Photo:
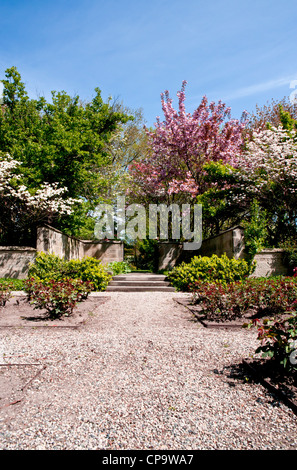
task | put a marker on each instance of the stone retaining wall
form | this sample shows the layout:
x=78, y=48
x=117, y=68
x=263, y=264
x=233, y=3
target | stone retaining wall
x=270, y=263
x=230, y=242
x=15, y=260
x=51, y=240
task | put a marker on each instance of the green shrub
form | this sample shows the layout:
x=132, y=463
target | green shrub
x=213, y=268
x=147, y=255
x=119, y=267
x=16, y=284
x=49, y=266
x=290, y=255
x=89, y=269
x=46, y=266
x=255, y=231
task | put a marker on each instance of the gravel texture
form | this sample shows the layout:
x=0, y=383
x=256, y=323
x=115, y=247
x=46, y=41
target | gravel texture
x=140, y=374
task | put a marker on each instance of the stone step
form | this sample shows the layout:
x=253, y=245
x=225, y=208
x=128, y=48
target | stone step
x=141, y=282
x=142, y=277
x=138, y=283
x=139, y=289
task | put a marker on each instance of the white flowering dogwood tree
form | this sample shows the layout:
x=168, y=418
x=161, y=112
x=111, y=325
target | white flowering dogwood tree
x=267, y=173
x=22, y=208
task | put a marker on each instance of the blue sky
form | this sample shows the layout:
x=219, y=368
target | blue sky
x=243, y=53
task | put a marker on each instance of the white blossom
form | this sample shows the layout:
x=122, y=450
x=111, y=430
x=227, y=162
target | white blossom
x=46, y=201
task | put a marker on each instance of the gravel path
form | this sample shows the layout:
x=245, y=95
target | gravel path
x=141, y=374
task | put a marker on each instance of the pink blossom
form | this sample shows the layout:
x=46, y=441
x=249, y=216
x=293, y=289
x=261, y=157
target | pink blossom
x=183, y=143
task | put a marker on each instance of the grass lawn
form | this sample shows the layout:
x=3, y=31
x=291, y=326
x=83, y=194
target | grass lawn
x=17, y=283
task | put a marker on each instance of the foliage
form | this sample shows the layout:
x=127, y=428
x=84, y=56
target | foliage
x=255, y=231
x=6, y=286
x=23, y=209
x=16, y=284
x=58, y=298
x=264, y=173
x=226, y=301
x=147, y=255
x=220, y=301
x=50, y=266
x=218, y=207
x=60, y=142
x=274, y=113
x=210, y=268
x=267, y=173
x=119, y=267
x=290, y=255
x=47, y=266
x=278, y=338
x=127, y=144
x=89, y=269
x=181, y=145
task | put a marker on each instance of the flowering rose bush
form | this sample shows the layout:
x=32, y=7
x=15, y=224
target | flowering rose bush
x=220, y=301
x=58, y=298
x=278, y=340
x=5, y=292
x=262, y=297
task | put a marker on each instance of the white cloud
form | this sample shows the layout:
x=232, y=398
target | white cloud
x=260, y=87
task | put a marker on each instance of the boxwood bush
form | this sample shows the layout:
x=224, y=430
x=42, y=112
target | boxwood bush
x=50, y=266
x=119, y=267
x=213, y=268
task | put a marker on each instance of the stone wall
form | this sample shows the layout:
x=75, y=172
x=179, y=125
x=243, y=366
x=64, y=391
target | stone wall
x=51, y=240
x=270, y=263
x=230, y=242
x=15, y=260
x=170, y=254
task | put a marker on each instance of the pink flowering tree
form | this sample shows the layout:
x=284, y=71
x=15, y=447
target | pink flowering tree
x=21, y=209
x=181, y=145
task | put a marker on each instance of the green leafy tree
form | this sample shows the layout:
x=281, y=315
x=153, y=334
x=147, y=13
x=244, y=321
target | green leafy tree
x=60, y=142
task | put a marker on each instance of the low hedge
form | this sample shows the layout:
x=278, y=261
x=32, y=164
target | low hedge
x=88, y=269
x=213, y=268
x=278, y=341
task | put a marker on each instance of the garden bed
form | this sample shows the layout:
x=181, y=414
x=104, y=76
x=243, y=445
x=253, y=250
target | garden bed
x=19, y=313
x=275, y=379
x=196, y=311
x=266, y=371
